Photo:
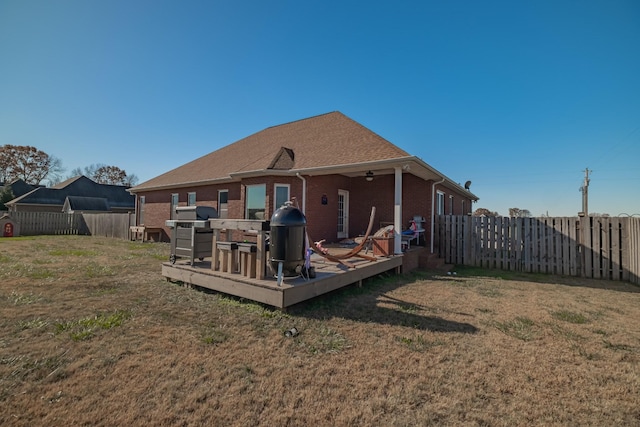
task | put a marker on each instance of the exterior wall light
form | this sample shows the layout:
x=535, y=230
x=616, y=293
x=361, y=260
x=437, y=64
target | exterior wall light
x=369, y=176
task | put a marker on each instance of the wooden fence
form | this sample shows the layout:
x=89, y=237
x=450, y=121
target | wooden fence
x=594, y=247
x=109, y=224
x=103, y=224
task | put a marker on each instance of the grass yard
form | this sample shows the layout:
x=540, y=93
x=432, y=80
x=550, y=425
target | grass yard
x=92, y=334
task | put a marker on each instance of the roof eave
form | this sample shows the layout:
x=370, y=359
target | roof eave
x=36, y=204
x=447, y=180
x=140, y=189
x=412, y=164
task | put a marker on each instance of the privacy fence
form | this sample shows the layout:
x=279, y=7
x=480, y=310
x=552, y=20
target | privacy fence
x=103, y=224
x=594, y=247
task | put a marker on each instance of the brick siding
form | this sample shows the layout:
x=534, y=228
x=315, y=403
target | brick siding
x=321, y=218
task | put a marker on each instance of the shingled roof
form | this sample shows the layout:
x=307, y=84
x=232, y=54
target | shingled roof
x=328, y=140
x=19, y=187
x=81, y=186
x=80, y=203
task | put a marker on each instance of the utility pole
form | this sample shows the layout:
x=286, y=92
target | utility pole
x=585, y=193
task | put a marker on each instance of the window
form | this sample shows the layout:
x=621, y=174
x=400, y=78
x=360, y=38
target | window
x=450, y=205
x=174, y=204
x=343, y=214
x=464, y=212
x=223, y=204
x=141, y=202
x=440, y=203
x=191, y=199
x=255, y=199
x=281, y=195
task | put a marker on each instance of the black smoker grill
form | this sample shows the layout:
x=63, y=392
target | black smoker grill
x=287, y=241
x=191, y=236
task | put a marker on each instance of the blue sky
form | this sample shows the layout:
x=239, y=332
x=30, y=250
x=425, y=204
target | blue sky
x=517, y=96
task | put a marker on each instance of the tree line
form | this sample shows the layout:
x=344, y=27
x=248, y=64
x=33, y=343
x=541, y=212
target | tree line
x=513, y=212
x=36, y=167
x=525, y=213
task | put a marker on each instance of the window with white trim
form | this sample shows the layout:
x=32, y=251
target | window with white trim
x=141, y=203
x=451, y=205
x=255, y=201
x=191, y=199
x=223, y=204
x=439, y=203
x=175, y=197
x=281, y=195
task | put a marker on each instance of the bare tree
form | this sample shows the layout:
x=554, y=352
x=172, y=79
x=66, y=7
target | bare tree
x=88, y=171
x=484, y=212
x=55, y=172
x=28, y=163
x=519, y=213
x=75, y=172
x=131, y=180
x=104, y=174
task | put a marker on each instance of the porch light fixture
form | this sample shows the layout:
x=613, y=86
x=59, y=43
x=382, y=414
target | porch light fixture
x=369, y=176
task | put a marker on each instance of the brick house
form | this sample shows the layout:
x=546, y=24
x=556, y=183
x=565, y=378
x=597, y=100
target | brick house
x=335, y=168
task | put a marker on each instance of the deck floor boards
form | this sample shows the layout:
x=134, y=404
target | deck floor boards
x=329, y=276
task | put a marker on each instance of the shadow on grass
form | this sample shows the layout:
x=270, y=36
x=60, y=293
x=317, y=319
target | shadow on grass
x=551, y=279
x=370, y=304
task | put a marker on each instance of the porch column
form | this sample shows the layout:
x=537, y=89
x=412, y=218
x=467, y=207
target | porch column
x=397, y=212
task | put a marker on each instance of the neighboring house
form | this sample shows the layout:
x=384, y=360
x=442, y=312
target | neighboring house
x=17, y=188
x=76, y=194
x=335, y=168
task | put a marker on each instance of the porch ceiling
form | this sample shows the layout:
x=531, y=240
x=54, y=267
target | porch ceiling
x=409, y=165
x=413, y=165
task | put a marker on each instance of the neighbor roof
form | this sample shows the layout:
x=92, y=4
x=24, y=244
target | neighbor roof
x=327, y=140
x=19, y=187
x=82, y=186
x=79, y=203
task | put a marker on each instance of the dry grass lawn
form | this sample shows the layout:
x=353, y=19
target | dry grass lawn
x=92, y=334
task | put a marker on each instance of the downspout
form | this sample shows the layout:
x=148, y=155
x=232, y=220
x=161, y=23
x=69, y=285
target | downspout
x=397, y=212
x=304, y=192
x=307, y=251
x=433, y=207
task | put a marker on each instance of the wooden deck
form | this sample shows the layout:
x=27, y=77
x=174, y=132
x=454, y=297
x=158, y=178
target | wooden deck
x=329, y=276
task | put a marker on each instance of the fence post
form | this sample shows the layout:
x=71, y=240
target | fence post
x=580, y=260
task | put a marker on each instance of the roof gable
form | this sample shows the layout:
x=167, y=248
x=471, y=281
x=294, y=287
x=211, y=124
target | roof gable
x=76, y=203
x=70, y=182
x=284, y=160
x=20, y=187
x=331, y=139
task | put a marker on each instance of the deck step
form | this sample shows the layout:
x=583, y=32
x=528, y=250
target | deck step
x=430, y=261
